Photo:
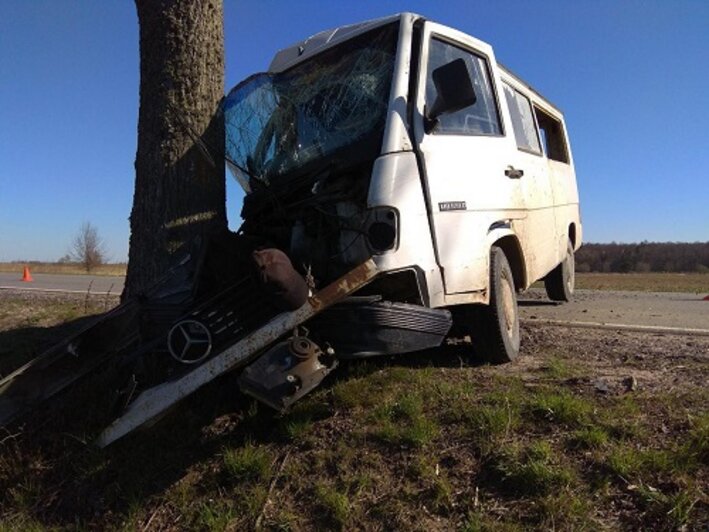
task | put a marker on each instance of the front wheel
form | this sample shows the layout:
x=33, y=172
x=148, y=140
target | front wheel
x=496, y=334
x=559, y=282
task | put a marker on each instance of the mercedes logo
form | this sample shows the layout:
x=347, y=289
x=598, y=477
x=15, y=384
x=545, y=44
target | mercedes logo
x=189, y=341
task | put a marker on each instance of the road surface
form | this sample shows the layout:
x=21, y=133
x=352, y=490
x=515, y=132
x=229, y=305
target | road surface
x=646, y=309
x=98, y=284
x=653, y=309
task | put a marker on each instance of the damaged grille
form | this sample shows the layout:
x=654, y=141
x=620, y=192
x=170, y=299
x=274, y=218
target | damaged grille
x=233, y=313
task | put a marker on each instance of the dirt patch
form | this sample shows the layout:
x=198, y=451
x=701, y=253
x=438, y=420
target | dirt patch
x=657, y=362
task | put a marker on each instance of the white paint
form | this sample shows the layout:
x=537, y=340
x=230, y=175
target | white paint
x=619, y=327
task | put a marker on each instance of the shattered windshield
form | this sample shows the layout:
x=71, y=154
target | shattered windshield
x=276, y=123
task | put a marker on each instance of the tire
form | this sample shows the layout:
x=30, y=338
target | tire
x=559, y=282
x=493, y=328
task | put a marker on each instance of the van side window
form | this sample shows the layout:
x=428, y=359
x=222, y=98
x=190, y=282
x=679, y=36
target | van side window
x=552, y=136
x=522, y=120
x=482, y=117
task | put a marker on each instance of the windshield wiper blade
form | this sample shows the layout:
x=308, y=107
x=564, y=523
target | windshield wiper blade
x=244, y=170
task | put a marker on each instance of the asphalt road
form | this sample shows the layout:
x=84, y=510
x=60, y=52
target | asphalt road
x=645, y=309
x=97, y=284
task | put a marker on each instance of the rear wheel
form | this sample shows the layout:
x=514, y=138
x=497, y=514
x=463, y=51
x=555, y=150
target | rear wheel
x=559, y=282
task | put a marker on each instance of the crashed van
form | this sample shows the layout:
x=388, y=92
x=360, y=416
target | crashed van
x=401, y=188
x=405, y=142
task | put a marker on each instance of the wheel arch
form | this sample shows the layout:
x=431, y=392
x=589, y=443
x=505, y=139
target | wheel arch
x=572, y=234
x=508, y=242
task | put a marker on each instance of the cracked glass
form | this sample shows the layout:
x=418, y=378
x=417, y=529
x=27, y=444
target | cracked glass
x=332, y=104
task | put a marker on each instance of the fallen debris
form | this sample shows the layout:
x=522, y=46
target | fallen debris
x=630, y=383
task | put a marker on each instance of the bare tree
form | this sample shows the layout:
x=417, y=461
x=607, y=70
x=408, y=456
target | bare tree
x=179, y=165
x=88, y=248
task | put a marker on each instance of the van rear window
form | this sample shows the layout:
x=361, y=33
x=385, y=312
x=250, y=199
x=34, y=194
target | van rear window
x=553, y=139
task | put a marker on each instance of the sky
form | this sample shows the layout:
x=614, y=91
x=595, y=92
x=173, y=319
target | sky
x=632, y=78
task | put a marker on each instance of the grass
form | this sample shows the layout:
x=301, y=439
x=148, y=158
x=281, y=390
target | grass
x=530, y=470
x=215, y=515
x=427, y=441
x=697, y=283
x=543, y=454
x=248, y=462
x=593, y=437
x=335, y=504
x=403, y=423
x=560, y=407
x=67, y=268
x=558, y=367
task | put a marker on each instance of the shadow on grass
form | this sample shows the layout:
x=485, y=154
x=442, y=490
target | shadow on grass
x=19, y=346
x=446, y=356
x=51, y=472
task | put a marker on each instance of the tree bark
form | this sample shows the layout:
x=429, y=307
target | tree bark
x=179, y=189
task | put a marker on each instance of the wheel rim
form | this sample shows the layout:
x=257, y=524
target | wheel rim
x=508, y=308
x=570, y=272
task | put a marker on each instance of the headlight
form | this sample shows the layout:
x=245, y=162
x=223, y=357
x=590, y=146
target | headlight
x=383, y=230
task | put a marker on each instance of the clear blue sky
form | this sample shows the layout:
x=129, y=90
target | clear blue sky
x=631, y=76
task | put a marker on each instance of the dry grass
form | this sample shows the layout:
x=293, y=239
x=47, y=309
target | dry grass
x=61, y=268
x=645, y=282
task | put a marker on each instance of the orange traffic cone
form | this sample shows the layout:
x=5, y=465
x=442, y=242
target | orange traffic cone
x=26, y=276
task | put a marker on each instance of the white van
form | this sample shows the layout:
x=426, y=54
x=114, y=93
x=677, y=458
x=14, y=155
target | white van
x=414, y=183
x=405, y=141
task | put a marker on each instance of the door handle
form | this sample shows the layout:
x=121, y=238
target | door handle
x=512, y=173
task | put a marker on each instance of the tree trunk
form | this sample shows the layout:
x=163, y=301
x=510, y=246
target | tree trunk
x=179, y=189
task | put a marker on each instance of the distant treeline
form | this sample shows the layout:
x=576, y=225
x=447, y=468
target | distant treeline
x=644, y=257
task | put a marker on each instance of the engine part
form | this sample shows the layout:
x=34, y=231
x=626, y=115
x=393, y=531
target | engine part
x=287, y=372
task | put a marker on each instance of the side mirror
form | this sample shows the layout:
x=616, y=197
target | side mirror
x=454, y=91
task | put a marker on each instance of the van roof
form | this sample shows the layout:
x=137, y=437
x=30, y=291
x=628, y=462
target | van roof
x=289, y=56
x=293, y=54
